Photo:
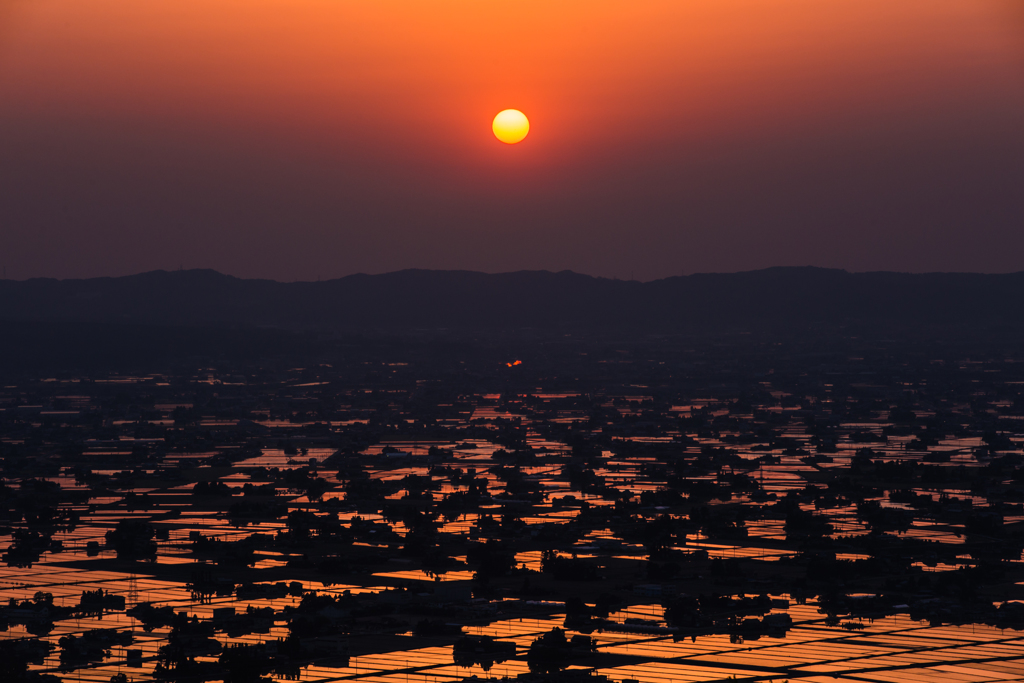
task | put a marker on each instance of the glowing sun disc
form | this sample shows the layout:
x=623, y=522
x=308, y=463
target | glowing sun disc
x=510, y=126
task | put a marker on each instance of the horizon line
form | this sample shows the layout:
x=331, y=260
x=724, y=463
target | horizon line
x=513, y=272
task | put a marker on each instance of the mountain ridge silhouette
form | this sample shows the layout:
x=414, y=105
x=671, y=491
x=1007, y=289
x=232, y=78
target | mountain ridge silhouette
x=436, y=299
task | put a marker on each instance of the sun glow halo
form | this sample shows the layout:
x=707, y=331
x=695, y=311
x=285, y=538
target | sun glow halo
x=510, y=126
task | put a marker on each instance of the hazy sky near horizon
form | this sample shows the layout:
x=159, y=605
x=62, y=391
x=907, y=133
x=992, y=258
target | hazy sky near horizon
x=296, y=139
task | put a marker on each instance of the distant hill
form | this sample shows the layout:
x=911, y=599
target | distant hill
x=411, y=300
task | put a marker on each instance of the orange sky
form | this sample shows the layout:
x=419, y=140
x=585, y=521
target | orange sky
x=397, y=96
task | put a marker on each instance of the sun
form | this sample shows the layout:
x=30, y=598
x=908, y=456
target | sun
x=510, y=126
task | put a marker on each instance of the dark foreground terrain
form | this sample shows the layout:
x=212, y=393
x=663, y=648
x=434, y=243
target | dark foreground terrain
x=240, y=505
